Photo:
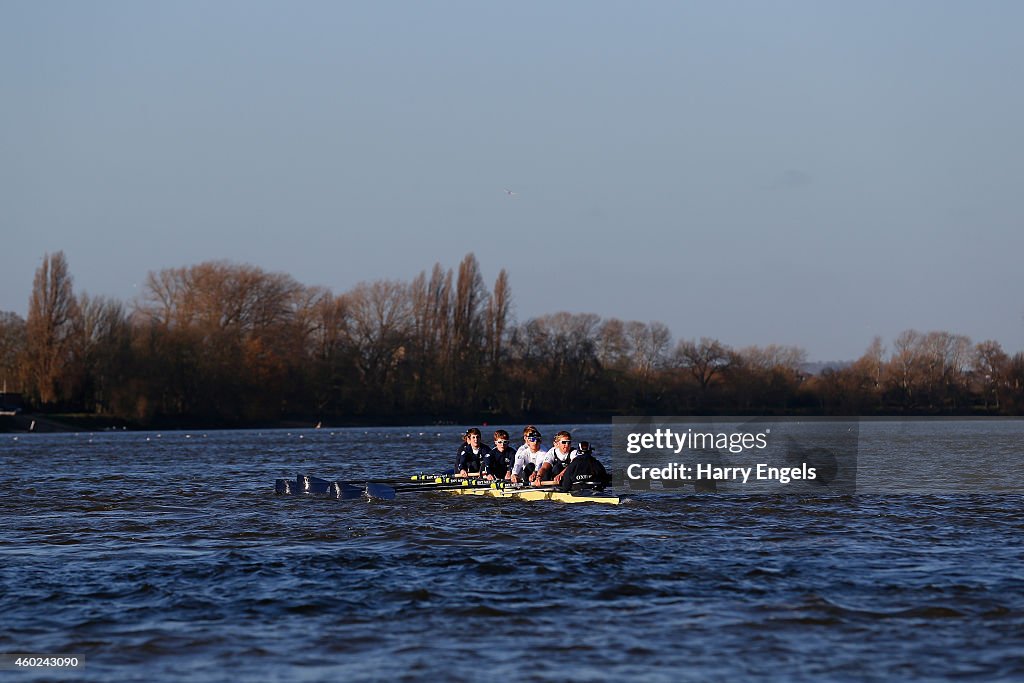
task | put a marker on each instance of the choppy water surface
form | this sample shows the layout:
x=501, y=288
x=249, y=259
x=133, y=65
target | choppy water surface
x=168, y=556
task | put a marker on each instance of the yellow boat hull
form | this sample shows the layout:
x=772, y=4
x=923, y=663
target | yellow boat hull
x=527, y=494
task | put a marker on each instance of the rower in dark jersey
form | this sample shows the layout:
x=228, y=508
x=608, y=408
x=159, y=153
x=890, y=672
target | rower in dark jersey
x=471, y=455
x=497, y=463
x=584, y=471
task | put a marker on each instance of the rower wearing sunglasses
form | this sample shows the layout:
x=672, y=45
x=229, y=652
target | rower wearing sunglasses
x=556, y=460
x=498, y=460
x=529, y=457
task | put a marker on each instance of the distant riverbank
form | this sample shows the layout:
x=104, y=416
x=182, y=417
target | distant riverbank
x=56, y=423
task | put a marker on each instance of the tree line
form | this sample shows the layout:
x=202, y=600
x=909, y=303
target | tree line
x=230, y=344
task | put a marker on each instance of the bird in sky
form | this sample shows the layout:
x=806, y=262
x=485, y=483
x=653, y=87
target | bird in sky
x=510, y=193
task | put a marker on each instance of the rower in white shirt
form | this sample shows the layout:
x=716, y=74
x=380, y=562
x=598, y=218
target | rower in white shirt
x=556, y=459
x=529, y=457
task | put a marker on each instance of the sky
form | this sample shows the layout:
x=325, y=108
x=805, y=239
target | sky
x=810, y=173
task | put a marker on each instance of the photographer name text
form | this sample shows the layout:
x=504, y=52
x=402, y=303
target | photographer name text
x=708, y=472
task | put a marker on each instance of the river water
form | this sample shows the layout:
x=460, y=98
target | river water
x=168, y=556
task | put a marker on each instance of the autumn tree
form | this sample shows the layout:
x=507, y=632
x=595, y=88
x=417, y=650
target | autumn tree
x=431, y=302
x=12, y=346
x=497, y=318
x=766, y=378
x=496, y=322
x=324, y=318
x=991, y=365
x=106, y=361
x=556, y=361
x=233, y=333
x=378, y=331
x=929, y=371
x=1015, y=383
x=704, y=360
x=52, y=330
x=613, y=348
x=468, y=331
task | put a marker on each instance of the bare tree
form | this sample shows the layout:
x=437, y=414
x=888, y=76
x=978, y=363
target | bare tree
x=498, y=308
x=990, y=369
x=905, y=367
x=379, y=331
x=649, y=344
x=106, y=350
x=612, y=345
x=467, y=313
x=12, y=346
x=704, y=360
x=946, y=358
x=52, y=330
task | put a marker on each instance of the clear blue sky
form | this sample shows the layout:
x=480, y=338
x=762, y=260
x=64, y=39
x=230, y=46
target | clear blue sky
x=811, y=173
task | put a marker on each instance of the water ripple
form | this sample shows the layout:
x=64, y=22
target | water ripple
x=169, y=556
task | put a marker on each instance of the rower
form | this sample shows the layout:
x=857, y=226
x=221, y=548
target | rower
x=497, y=463
x=557, y=459
x=471, y=455
x=528, y=431
x=529, y=456
x=584, y=471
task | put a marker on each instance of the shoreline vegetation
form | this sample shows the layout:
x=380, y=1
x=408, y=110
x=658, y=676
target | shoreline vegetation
x=39, y=423
x=223, y=345
x=47, y=423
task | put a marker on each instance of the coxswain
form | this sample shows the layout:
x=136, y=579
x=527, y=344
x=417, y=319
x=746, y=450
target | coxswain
x=497, y=463
x=471, y=455
x=529, y=457
x=584, y=470
x=556, y=460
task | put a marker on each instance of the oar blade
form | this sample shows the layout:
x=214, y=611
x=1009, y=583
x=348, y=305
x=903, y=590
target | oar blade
x=351, y=491
x=311, y=485
x=379, y=492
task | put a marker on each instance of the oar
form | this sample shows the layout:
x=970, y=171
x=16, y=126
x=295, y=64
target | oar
x=384, y=492
x=414, y=479
x=315, y=486
x=302, y=484
x=587, y=485
x=376, y=491
x=446, y=483
x=306, y=484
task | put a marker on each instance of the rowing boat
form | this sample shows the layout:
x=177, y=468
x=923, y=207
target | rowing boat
x=314, y=486
x=540, y=494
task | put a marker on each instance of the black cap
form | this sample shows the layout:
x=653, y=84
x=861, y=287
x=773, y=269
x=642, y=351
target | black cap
x=584, y=447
